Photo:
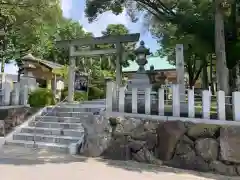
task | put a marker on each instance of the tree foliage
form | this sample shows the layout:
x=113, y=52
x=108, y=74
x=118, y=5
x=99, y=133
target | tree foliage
x=66, y=30
x=24, y=22
x=115, y=29
x=191, y=22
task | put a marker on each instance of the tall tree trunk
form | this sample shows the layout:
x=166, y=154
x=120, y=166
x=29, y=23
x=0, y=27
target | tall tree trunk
x=237, y=77
x=221, y=66
x=3, y=55
x=2, y=65
x=211, y=75
x=205, y=77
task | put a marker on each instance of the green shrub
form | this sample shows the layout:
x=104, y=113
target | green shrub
x=78, y=96
x=64, y=94
x=41, y=97
x=95, y=93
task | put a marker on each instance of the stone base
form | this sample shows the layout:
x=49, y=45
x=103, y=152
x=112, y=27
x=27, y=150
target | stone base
x=139, y=81
x=202, y=147
x=140, y=87
x=14, y=117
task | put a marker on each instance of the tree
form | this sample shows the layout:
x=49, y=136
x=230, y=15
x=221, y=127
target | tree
x=195, y=58
x=172, y=11
x=66, y=30
x=115, y=29
x=191, y=17
x=23, y=23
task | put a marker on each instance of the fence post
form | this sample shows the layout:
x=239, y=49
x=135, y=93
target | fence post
x=134, y=100
x=206, y=104
x=25, y=95
x=148, y=100
x=175, y=100
x=221, y=105
x=16, y=94
x=121, y=99
x=161, y=102
x=109, y=96
x=191, y=103
x=236, y=105
x=6, y=93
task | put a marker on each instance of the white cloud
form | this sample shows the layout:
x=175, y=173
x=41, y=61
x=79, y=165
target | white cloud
x=100, y=24
x=66, y=7
x=103, y=21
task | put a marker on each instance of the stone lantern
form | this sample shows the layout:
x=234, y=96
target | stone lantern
x=140, y=79
x=141, y=52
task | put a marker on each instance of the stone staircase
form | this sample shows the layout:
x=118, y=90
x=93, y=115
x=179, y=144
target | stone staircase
x=56, y=128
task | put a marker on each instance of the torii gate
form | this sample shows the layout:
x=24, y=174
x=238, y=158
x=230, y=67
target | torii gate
x=89, y=42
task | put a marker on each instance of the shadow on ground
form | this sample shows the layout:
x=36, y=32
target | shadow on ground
x=21, y=157
x=141, y=167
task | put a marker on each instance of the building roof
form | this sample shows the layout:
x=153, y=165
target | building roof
x=48, y=64
x=158, y=63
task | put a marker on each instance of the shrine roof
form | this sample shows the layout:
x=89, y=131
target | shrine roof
x=52, y=65
x=48, y=64
x=158, y=63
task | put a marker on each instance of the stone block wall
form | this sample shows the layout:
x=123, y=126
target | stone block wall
x=14, y=117
x=201, y=147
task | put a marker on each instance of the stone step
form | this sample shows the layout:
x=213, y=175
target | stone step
x=53, y=131
x=83, y=105
x=40, y=145
x=63, y=119
x=67, y=114
x=56, y=125
x=74, y=109
x=95, y=101
x=46, y=138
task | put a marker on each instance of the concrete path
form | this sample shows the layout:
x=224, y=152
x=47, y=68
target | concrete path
x=21, y=164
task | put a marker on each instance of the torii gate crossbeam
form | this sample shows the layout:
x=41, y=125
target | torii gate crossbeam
x=90, y=41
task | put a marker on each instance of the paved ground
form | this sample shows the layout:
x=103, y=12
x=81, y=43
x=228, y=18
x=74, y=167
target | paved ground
x=22, y=164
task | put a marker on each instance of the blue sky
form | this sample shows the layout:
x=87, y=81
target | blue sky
x=74, y=9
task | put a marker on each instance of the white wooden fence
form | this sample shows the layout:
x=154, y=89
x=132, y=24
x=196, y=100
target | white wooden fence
x=115, y=97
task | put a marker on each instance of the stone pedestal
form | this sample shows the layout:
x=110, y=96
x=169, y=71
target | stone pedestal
x=29, y=80
x=139, y=81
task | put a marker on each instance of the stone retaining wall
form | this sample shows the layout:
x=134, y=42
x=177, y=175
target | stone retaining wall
x=201, y=147
x=14, y=117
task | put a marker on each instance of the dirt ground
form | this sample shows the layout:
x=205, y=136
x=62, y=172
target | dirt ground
x=28, y=164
